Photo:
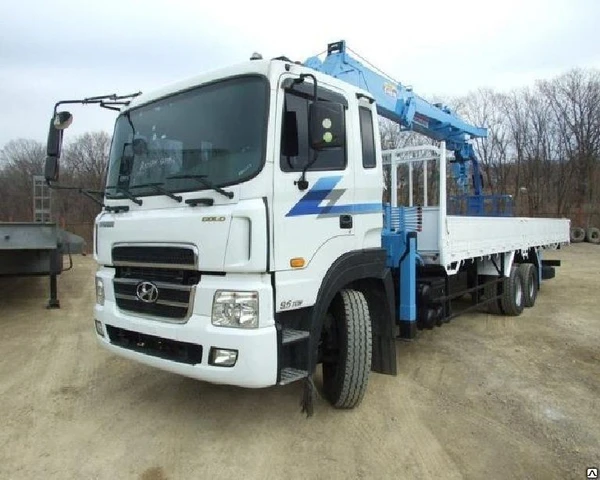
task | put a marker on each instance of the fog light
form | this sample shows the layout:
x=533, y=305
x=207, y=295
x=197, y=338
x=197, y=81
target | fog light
x=99, y=328
x=221, y=357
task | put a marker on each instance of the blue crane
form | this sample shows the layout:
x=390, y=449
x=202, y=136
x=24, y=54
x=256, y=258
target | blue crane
x=400, y=104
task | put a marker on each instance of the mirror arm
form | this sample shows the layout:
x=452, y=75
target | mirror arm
x=113, y=98
x=302, y=183
x=83, y=191
x=64, y=102
x=105, y=105
x=305, y=75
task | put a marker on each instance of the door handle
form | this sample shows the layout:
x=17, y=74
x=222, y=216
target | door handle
x=346, y=221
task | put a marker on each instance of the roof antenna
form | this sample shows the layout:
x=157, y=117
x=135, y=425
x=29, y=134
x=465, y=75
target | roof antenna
x=256, y=56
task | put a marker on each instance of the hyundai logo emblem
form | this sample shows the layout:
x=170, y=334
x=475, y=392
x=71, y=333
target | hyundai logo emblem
x=147, y=292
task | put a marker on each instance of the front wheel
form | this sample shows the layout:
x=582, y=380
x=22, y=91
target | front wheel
x=346, y=355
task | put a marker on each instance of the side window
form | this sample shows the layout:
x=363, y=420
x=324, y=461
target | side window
x=367, y=137
x=295, y=151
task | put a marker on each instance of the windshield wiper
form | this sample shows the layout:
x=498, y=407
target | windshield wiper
x=159, y=189
x=207, y=183
x=127, y=193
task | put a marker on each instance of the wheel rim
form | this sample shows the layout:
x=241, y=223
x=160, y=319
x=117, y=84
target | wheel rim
x=532, y=286
x=518, y=293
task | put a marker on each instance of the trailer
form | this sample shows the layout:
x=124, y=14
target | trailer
x=29, y=248
x=244, y=240
x=37, y=248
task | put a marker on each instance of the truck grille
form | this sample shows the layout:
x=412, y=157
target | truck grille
x=168, y=270
x=163, y=256
x=156, y=346
x=173, y=301
x=166, y=275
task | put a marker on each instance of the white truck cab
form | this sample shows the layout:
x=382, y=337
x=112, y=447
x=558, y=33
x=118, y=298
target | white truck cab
x=191, y=279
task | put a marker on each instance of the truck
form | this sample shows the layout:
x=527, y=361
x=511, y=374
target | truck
x=248, y=238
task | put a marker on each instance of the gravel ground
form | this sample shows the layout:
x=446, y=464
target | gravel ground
x=480, y=397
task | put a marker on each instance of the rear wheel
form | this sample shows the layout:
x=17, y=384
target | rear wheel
x=493, y=290
x=346, y=349
x=530, y=283
x=513, y=296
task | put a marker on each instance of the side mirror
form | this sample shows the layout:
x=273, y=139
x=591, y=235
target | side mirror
x=51, y=169
x=327, y=128
x=54, y=141
x=53, y=147
x=59, y=122
x=62, y=120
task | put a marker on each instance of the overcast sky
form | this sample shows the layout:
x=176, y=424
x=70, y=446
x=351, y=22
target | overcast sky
x=59, y=49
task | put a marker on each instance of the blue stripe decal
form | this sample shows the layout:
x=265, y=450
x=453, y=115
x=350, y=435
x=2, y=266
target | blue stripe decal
x=323, y=188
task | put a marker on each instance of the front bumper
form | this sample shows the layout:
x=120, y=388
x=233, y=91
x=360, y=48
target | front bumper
x=256, y=364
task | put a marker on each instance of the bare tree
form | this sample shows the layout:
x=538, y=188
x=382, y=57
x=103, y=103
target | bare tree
x=86, y=157
x=485, y=108
x=543, y=173
x=574, y=99
x=84, y=164
x=19, y=160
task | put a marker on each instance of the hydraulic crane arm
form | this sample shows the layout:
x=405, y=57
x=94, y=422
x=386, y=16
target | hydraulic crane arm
x=398, y=103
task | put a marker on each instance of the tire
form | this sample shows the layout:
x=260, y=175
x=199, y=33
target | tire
x=347, y=350
x=593, y=235
x=494, y=307
x=513, y=297
x=577, y=235
x=531, y=282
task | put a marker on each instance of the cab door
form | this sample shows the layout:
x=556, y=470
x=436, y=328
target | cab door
x=315, y=224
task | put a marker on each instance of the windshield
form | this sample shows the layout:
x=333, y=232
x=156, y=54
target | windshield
x=217, y=131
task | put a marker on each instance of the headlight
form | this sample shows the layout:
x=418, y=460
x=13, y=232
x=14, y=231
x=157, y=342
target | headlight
x=99, y=291
x=235, y=309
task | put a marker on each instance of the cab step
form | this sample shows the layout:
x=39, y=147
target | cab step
x=289, y=375
x=289, y=335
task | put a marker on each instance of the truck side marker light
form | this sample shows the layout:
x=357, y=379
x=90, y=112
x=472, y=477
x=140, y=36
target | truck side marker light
x=297, y=262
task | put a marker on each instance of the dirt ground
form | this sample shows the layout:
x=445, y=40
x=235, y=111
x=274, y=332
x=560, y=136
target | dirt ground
x=480, y=397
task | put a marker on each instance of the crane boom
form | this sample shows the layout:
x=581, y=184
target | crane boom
x=400, y=104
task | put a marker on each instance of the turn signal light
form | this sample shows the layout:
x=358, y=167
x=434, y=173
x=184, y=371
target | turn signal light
x=297, y=262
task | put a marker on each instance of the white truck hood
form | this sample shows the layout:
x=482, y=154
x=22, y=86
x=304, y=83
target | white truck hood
x=226, y=238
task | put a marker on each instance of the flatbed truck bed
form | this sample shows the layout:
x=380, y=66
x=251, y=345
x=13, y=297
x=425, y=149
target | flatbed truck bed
x=465, y=238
